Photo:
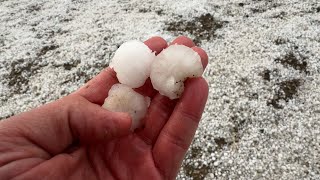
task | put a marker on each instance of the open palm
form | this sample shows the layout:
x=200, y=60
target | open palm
x=74, y=138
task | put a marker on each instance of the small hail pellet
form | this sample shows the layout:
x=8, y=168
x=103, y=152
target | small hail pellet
x=122, y=98
x=132, y=63
x=172, y=67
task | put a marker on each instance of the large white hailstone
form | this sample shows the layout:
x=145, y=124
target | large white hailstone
x=132, y=63
x=122, y=98
x=172, y=67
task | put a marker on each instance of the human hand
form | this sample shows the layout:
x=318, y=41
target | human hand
x=74, y=138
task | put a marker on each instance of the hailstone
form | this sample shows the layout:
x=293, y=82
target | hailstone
x=132, y=63
x=172, y=67
x=122, y=98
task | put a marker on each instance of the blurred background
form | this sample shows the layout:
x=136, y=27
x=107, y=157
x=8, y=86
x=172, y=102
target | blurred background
x=262, y=119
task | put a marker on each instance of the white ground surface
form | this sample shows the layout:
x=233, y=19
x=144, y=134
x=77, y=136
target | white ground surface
x=262, y=119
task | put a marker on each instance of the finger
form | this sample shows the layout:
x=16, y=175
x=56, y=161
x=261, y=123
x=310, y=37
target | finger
x=90, y=123
x=203, y=55
x=177, y=134
x=55, y=126
x=158, y=113
x=96, y=90
x=160, y=110
x=182, y=40
x=156, y=44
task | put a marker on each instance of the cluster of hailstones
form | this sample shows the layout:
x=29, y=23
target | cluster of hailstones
x=134, y=63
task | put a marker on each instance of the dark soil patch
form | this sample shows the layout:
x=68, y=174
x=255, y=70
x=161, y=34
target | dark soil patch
x=263, y=6
x=314, y=10
x=281, y=15
x=290, y=88
x=196, y=152
x=279, y=41
x=69, y=65
x=80, y=73
x=159, y=12
x=221, y=142
x=253, y=96
x=265, y=74
x=20, y=73
x=258, y=10
x=202, y=27
x=48, y=34
x=236, y=133
x=66, y=19
x=1, y=42
x=201, y=170
x=290, y=60
x=44, y=50
x=239, y=124
x=196, y=173
x=243, y=81
x=146, y=10
x=33, y=8
x=286, y=91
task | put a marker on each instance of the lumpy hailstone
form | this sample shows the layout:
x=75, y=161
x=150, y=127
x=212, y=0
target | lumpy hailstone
x=172, y=67
x=132, y=63
x=122, y=98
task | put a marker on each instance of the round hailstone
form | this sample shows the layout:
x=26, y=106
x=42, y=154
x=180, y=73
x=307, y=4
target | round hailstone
x=172, y=67
x=132, y=63
x=122, y=98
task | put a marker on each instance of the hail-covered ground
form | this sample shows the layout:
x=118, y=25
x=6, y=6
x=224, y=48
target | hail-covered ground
x=262, y=119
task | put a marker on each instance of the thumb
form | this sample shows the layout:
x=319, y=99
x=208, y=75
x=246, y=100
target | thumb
x=90, y=123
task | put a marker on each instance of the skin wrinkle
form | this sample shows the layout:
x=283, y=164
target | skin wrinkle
x=100, y=161
x=73, y=157
x=160, y=171
x=189, y=115
x=74, y=135
x=91, y=164
x=29, y=151
x=36, y=144
x=173, y=139
x=66, y=172
x=18, y=155
x=17, y=164
x=6, y=147
x=115, y=155
x=145, y=139
x=46, y=153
